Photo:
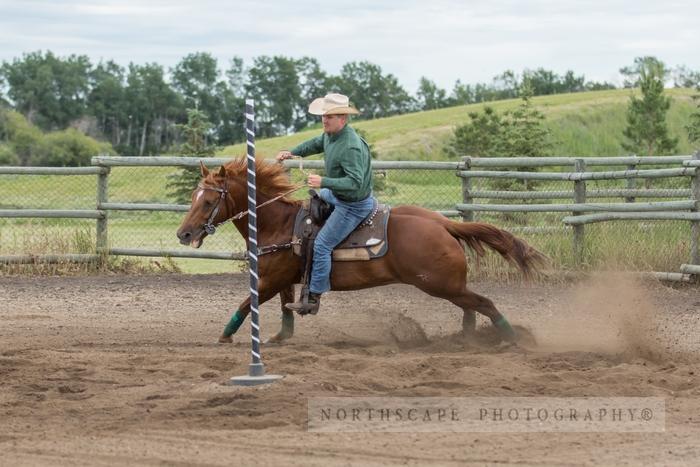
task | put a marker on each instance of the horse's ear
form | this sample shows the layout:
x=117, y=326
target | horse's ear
x=222, y=172
x=203, y=169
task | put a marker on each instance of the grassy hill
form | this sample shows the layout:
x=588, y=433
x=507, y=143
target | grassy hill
x=582, y=124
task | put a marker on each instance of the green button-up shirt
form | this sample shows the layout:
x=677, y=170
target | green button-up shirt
x=347, y=161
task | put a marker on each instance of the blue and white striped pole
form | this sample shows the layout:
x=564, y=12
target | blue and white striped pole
x=256, y=370
x=256, y=367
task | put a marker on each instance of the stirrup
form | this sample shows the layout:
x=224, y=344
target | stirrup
x=307, y=305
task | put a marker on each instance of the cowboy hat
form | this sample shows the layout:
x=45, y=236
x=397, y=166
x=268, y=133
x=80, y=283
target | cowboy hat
x=332, y=104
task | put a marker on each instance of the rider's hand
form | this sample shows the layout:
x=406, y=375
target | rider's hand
x=314, y=181
x=282, y=155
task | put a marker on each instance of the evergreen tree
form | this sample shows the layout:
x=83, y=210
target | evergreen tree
x=643, y=65
x=646, y=132
x=525, y=132
x=195, y=131
x=694, y=125
x=520, y=132
x=482, y=136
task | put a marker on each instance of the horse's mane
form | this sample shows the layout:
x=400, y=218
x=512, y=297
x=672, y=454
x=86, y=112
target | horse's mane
x=270, y=178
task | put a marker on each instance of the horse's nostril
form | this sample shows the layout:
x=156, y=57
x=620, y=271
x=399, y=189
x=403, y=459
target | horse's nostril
x=184, y=235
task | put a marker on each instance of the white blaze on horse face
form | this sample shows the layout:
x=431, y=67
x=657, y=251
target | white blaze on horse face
x=198, y=195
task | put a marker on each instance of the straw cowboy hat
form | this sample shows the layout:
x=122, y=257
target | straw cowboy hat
x=332, y=104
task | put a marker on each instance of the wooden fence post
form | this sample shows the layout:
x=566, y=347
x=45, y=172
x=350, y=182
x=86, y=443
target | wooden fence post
x=579, y=198
x=695, y=225
x=101, y=238
x=467, y=216
x=631, y=183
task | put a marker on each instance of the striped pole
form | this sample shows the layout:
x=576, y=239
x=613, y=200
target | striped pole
x=256, y=367
x=256, y=370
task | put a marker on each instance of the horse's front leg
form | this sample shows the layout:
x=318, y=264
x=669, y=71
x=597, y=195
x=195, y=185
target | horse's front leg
x=287, y=331
x=235, y=322
x=241, y=314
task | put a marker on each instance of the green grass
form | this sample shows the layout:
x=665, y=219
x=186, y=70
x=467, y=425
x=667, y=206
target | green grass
x=583, y=124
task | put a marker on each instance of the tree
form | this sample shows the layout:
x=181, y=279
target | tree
x=648, y=65
x=68, y=148
x=373, y=93
x=198, y=81
x=520, y=132
x=482, y=136
x=152, y=105
x=195, y=131
x=646, y=132
x=107, y=100
x=48, y=90
x=430, y=96
x=505, y=85
x=314, y=82
x=693, y=127
x=525, y=133
x=683, y=77
x=274, y=84
x=598, y=86
x=21, y=137
x=195, y=78
x=461, y=94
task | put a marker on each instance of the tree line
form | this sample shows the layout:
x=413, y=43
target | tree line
x=139, y=109
x=521, y=132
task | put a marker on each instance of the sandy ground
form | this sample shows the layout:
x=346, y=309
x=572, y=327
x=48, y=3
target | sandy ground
x=123, y=370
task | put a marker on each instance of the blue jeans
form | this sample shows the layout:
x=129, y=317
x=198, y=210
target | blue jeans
x=343, y=220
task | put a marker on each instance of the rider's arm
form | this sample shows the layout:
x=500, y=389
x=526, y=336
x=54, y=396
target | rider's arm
x=309, y=147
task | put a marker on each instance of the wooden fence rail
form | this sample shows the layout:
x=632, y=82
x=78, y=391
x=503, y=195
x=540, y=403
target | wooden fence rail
x=579, y=173
x=584, y=212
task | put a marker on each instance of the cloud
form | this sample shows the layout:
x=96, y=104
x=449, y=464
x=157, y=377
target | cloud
x=444, y=40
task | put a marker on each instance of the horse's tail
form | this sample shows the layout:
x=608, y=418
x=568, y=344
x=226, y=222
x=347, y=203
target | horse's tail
x=514, y=250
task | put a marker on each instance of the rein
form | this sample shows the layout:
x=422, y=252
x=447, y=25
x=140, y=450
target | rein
x=242, y=214
x=210, y=227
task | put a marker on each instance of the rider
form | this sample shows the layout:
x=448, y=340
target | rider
x=347, y=185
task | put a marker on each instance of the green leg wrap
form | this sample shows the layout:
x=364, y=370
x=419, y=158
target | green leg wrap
x=504, y=326
x=235, y=323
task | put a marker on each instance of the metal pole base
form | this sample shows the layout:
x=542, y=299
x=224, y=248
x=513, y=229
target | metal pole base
x=256, y=376
x=253, y=380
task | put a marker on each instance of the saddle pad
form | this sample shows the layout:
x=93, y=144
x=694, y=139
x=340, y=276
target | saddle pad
x=367, y=241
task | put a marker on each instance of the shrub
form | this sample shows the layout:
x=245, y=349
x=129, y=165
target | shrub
x=7, y=155
x=22, y=137
x=68, y=148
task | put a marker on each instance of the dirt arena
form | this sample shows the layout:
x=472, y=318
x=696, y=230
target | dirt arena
x=123, y=370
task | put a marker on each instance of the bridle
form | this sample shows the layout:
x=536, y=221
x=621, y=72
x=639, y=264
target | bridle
x=209, y=226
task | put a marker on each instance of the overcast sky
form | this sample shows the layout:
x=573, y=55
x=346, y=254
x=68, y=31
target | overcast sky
x=444, y=40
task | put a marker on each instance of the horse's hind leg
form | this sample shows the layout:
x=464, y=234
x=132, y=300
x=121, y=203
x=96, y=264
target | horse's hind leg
x=470, y=302
x=468, y=322
x=287, y=331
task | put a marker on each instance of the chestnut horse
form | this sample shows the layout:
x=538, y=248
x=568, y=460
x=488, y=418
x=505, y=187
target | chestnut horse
x=425, y=248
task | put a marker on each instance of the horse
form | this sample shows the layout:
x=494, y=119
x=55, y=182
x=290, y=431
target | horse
x=425, y=249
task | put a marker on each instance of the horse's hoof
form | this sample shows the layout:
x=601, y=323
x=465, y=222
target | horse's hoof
x=225, y=340
x=507, y=345
x=278, y=338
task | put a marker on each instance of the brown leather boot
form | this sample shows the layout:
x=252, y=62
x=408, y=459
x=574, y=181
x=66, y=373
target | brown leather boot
x=310, y=308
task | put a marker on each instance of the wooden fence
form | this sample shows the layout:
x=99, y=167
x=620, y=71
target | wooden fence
x=581, y=210
x=685, y=210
